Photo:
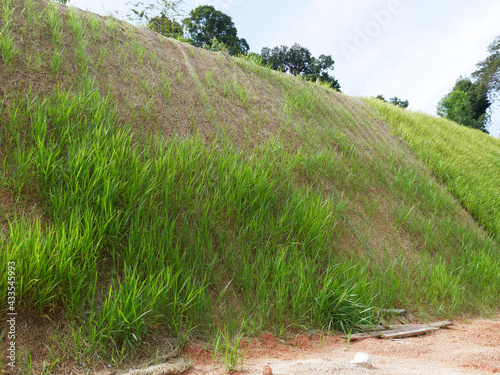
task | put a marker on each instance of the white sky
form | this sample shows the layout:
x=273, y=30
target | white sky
x=413, y=49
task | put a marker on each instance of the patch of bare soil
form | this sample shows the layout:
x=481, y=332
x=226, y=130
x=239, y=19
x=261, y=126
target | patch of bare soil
x=464, y=348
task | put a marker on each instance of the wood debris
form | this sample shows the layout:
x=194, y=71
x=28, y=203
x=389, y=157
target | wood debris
x=400, y=331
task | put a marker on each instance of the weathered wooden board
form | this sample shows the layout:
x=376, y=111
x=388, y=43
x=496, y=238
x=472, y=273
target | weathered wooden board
x=399, y=327
x=366, y=328
x=363, y=336
x=443, y=324
x=399, y=331
x=408, y=333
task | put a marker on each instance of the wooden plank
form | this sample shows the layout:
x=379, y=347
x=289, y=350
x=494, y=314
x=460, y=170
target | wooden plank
x=397, y=331
x=404, y=327
x=443, y=324
x=409, y=333
x=363, y=336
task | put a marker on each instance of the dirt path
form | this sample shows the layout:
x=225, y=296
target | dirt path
x=471, y=348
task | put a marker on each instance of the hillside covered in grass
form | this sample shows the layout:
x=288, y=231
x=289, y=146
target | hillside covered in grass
x=467, y=161
x=151, y=190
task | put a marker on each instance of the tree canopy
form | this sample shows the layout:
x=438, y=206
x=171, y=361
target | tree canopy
x=469, y=101
x=166, y=26
x=159, y=16
x=395, y=100
x=488, y=72
x=298, y=60
x=399, y=102
x=466, y=104
x=205, y=25
x=160, y=10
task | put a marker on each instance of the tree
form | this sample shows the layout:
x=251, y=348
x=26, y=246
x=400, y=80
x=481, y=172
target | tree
x=166, y=26
x=478, y=95
x=399, y=102
x=206, y=24
x=319, y=68
x=466, y=104
x=275, y=58
x=396, y=101
x=158, y=16
x=458, y=106
x=298, y=60
x=143, y=13
x=488, y=72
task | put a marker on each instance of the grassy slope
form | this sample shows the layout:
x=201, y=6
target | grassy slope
x=152, y=188
x=466, y=160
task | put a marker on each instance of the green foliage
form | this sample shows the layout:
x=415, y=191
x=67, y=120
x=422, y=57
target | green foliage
x=7, y=46
x=7, y=13
x=229, y=349
x=216, y=46
x=478, y=97
x=275, y=58
x=105, y=196
x=160, y=16
x=457, y=107
x=488, y=72
x=319, y=71
x=206, y=24
x=396, y=101
x=466, y=104
x=161, y=10
x=56, y=24
x=399, y=102
x=55, y=63
x=255, y=58
x=166, y=26
x=345, y=302
x=298, y=60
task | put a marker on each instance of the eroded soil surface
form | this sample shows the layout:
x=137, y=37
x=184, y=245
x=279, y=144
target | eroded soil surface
x=465, y=348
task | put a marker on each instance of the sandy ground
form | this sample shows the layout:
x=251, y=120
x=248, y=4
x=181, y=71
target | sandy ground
x=465, y=348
